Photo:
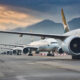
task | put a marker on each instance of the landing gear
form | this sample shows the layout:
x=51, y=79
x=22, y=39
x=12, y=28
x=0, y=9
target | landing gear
x=30, y=53
x=37, y=52
x=53, y=53
x=18, y=52
x=76, y=57
x=49, y=54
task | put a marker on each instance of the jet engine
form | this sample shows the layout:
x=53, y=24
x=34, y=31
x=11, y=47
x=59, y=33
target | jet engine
x=17, y=50
x=25, y=50
x=71, y=45
x=14, y=51
x=60, y=51
x=9, y=52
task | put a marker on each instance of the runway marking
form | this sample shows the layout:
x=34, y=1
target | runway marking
x=62, y=65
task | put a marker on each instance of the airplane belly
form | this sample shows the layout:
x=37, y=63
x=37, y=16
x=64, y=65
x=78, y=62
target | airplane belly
x=45, y=48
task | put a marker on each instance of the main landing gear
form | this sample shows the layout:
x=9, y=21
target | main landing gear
x=50, y=54
x=30, y=53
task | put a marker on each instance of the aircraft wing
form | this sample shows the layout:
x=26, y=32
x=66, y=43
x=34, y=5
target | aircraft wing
x=56, y=36
x=28, y=46
x=6, y=48
x=12, y=45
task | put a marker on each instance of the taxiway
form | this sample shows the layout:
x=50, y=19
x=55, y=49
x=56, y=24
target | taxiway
x=38, y=68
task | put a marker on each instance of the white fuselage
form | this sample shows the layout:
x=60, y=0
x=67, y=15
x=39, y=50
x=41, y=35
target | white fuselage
x=45, y=45
x=73, y=33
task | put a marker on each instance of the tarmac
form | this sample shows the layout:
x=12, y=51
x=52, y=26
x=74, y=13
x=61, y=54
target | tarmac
x=13, y=67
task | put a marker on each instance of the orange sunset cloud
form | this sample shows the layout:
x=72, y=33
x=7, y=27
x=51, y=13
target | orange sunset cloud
x=10, y=19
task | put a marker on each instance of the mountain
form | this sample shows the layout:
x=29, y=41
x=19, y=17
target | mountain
x=50, y=27
x=74, y=23
x=45, y=26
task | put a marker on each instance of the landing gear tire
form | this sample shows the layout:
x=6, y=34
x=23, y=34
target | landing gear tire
x=10, y=53
x=30, y=54
x=18, y=54
x=76, y=57
x=49, y=54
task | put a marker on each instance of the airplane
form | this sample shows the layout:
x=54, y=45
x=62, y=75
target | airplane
x=70, y=39
x=46, y=45
x=5, y=50
x=11, y=51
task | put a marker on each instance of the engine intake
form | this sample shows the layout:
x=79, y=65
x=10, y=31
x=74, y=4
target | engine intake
x=75, y=45
x=60, y=51
x=14, y=51
x=25, y=50
x=71, y=45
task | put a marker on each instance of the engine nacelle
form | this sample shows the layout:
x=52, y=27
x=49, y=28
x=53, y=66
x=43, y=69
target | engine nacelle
x=14, y=51
x=9, y=52
x=17, y=50
x=71, y=45
x=25, y=50
x=60, y=51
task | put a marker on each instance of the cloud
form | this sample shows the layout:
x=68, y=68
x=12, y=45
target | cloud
x=10, y=19
x=20, y=13
x=39, y=5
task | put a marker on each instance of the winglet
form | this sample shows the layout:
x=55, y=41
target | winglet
x=66, y=28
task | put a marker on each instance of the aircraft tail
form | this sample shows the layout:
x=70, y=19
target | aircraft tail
x=66, y=28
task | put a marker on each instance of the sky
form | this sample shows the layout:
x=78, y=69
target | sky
x=22, y=13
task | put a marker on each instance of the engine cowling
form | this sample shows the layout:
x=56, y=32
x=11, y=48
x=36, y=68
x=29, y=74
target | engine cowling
x=60, y=50
x=25, y=50
x=18, y=52
x=14, y=51
x=8, y=52
x=71, y=45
